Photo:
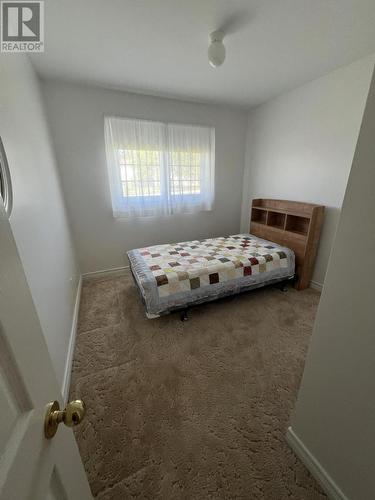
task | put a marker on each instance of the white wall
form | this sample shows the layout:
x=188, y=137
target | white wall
x=300, y=146
x=76, y=116
x=335, y=412
x=38, y=220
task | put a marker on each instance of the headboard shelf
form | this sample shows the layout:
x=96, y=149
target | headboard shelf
x=276, y=219
x=293, y=224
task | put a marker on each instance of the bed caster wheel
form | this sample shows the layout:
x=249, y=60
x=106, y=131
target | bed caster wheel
x=283, y=287
x=184, y=315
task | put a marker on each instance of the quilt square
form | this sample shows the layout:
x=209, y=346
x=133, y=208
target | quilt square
x=202, y=271
x=214, y=278
x=262, y=267
x=174, y=287
x=182, y=275
x=270, y=265
x=204, y=280
x=164, y=290
x=185, y=285
x=247, y=271
x=195, y=283
x=223, y=259
x=161, y=280
x=231, y=274
x=158, y=272
x=172, y=277
x=255, y=269
x=276, y=263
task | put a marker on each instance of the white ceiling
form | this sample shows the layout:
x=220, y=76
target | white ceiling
x=160, y=46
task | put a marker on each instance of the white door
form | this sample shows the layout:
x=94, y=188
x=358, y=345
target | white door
x=31, y=466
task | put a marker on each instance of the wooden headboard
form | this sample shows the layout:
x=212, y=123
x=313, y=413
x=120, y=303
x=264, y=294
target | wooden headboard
x=293, y=224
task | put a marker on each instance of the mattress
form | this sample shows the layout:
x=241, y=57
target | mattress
x=178, y=275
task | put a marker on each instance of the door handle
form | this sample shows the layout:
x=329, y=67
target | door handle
x=72, y=415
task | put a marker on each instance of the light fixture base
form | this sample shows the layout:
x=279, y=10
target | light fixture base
x=216, y=36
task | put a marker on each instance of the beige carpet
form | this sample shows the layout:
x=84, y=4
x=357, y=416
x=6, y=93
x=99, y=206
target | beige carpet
x=194, y=410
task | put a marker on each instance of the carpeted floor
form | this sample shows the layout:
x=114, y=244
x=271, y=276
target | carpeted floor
x=194, y=410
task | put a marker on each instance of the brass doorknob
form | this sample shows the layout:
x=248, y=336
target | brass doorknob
x=72, y=415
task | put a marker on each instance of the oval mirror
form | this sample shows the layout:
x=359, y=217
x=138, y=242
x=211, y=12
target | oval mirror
x=5, y=181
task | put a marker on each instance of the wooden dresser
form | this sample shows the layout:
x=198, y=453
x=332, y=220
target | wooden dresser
x=293, y=224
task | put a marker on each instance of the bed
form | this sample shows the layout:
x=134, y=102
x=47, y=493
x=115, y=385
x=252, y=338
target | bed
x=282, y=245
x=176, y=276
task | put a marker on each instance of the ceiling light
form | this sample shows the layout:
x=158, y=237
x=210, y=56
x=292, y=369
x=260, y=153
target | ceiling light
x=216, y=49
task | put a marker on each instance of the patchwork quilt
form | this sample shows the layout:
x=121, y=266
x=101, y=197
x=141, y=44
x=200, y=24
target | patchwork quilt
x=174, y=275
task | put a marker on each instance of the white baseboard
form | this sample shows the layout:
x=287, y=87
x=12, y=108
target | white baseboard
x=72, y=341
x=311, y=463
x=316, y=285
x=106, y=272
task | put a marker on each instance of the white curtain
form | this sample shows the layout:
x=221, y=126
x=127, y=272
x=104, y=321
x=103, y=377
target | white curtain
x=159, y=168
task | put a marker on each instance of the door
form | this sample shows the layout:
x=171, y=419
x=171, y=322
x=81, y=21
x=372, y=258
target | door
x=31, y=466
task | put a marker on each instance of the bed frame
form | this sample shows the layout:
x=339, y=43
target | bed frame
x=293, y=224
x=281, y=284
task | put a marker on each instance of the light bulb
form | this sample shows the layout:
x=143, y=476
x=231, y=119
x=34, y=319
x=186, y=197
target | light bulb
x=216, y=49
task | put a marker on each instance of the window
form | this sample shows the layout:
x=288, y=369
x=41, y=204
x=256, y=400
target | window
x=159, y=168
